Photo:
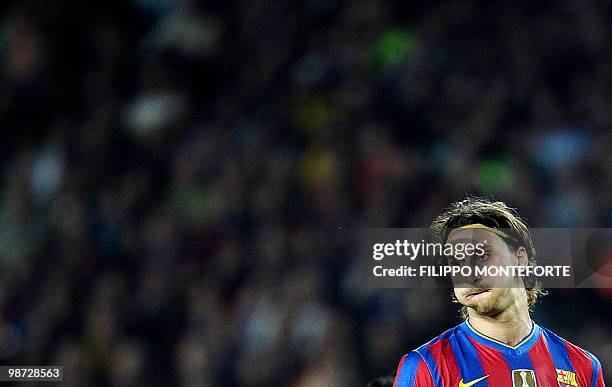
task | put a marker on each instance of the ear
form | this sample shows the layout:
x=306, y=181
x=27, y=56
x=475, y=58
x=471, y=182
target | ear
x=521, y=255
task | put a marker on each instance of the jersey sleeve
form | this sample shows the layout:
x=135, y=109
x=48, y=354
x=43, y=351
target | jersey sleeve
x=413, y=372
x=597, y=379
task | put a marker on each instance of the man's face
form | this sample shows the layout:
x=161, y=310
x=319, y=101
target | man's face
x=486, y=295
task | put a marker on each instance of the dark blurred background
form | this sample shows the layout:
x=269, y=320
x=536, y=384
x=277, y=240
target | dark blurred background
x=176, y=176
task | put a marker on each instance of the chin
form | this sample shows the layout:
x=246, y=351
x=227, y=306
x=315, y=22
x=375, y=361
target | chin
x=487, y=309
x=485, y=304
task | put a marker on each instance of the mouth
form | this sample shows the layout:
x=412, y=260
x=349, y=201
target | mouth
x=475, y=293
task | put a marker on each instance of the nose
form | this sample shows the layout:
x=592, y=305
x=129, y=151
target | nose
x=473, y=279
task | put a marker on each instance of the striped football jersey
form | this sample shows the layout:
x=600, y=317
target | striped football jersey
x=464, y=357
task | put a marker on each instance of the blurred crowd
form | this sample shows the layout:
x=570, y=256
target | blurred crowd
x=179, y=178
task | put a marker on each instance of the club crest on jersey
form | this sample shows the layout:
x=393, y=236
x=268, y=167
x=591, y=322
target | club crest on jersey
x=566, y=378
x=524, y=378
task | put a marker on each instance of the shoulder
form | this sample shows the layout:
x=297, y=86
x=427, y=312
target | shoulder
x=409, y=361
x=428, y=356
x=439, y=344
x=583, y=359
x=570, y=347
x=413, y=371
x=579, y=357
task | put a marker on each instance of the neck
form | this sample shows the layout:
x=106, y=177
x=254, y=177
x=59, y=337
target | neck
x=510, y=327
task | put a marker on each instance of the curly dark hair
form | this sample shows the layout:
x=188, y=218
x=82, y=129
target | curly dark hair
x=494, y=214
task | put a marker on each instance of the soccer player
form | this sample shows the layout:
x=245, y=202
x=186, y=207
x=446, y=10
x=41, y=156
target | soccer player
x=498, y=345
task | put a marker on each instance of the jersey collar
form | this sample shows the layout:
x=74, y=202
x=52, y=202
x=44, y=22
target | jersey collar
x=523, y=346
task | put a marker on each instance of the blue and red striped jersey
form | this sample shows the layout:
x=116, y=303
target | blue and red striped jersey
x=464, y=357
